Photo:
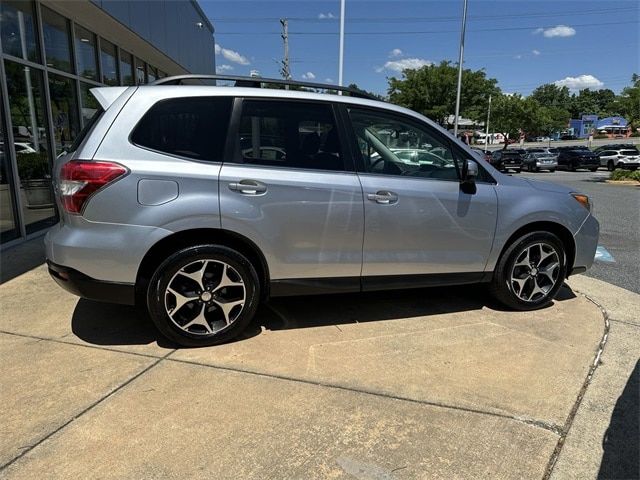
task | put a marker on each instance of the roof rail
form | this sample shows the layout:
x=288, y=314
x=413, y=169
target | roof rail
x=258, y=82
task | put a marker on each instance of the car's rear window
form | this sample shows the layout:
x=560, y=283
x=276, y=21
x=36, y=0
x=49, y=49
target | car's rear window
x=192, y=127
x=629, y=152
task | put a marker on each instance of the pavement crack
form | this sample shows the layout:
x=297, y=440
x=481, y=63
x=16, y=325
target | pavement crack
x=574, y=410
x=84, y=411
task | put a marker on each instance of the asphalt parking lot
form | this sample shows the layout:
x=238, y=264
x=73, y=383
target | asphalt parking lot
x=617, y=208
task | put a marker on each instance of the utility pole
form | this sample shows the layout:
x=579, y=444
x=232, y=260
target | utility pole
x=286, y=73
x=460, y=61
x=341, y=59
x=486, y=137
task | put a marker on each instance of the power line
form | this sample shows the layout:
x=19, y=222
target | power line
x=422, y=19
x=426, y=32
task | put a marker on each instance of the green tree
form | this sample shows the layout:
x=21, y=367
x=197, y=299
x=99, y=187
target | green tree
x=550, y=95
x=431, y=90
x=592, y=102
x=508, y=115
x=627, y=104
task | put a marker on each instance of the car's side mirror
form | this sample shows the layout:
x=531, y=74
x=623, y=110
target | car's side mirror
x=470, y=171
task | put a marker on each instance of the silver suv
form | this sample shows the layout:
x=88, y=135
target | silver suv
x=198, y=202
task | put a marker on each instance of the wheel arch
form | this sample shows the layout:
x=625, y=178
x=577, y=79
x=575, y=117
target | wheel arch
x=557, y=229
x=186, y=238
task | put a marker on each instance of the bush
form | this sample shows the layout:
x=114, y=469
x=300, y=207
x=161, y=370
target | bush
x=620, y=174
x=635, y=134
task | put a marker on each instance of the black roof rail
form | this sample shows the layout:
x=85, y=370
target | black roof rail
x=257, y=82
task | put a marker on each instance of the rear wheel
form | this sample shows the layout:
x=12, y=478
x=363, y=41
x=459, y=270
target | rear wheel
x=572, y=167
x=203, y=295
x=594, y=169
x=530, y=271
x=610, y=166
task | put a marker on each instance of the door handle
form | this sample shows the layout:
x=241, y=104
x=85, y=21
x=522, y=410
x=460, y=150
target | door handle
x=248, y=187
x=383, y=197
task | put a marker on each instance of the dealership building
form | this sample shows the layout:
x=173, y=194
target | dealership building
x=52, y=54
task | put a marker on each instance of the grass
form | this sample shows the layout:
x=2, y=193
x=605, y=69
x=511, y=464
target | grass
x=620, y=174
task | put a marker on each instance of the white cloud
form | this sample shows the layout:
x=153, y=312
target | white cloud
x=557, y=31
x=223, y=68
x=535, y=52
x=518, y=57
x=580, y=82
x=231, y=55
x=328, y=80
x=404, y=64
x=326, y=16
x=309, y=76
x=396, y=52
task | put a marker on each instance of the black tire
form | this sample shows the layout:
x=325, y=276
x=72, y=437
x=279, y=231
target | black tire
x=217, y=256
x=572, y=167
x=593, y=169
x=610, y=166
x=501, y=286
x=552, y=170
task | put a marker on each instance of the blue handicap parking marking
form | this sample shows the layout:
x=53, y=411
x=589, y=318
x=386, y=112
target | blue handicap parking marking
x=603, y=255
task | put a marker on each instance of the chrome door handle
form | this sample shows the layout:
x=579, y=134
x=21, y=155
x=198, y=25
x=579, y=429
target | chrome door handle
x=383, y=197
x=248, y=187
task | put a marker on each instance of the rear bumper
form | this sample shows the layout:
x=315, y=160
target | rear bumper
x=84, y=286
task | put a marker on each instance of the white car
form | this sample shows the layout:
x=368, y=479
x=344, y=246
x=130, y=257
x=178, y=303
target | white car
x=628, y=158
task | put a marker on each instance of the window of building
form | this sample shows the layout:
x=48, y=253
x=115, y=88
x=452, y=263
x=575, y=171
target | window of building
x=108, y=63
x=126, y=68
x=8, y=230
x=395, y=145
x=18, y=30
x=289, y=134
x=86, y=53
x=64, y=111
x=194, y=127
x=152, y=73
x=28, y=119
x=88, y=103
x=141, y=74
x=57, y=40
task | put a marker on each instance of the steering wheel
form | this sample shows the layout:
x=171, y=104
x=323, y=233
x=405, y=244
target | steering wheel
x=376, y=162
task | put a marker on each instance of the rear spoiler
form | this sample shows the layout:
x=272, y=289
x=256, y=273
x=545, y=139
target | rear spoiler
x=107, y=95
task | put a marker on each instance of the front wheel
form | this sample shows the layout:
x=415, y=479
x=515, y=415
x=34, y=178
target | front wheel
x=593, y=169
x=530, y=271
x=610, y=166
x=203, y=295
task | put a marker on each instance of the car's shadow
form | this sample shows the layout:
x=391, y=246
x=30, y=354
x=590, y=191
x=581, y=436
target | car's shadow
x=110, y=324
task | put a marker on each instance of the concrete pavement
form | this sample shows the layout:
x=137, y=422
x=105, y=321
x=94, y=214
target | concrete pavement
x=424, y=384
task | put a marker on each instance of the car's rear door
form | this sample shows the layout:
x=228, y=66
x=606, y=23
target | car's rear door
x=289, y=186
x=418, y=219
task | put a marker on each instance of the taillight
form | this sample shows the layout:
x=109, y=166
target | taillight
x=80, y=179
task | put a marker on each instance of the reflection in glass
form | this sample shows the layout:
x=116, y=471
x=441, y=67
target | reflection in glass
x=86, y=53
x=64, y=111
x=57, y=46
x=18, y=30
x=126, y=68
x=152, y=73
x=8, y=229
x=140, y=72
x=108, y=63
x=88, y=102
x=27, y=110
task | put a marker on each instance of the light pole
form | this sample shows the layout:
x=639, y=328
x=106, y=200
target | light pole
x=341, y=60
x=486, y=136
x=460, y=61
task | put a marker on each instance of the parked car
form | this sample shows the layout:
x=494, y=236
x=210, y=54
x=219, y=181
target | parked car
x=536, y=161
x=542, y=139
x=617, y=146
x=549, y=151
x=575, y=159
x=508, y=159
x=160, y=207
x=568, y=137
x=620, y=158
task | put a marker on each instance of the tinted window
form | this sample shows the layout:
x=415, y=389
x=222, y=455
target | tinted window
x=289, y=134
x=395, y=145
x=194, y=127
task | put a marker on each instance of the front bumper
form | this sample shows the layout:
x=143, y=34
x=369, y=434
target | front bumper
x=84, y=286
x=586, y=240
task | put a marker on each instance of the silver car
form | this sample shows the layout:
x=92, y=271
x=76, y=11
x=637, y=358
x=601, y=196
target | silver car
x=627, y=158
x=172, y=199
x=536, y=161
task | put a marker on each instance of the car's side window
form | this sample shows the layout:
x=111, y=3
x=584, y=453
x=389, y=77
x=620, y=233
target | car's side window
x=394, y=145
x=192, y=127
x=289, y=134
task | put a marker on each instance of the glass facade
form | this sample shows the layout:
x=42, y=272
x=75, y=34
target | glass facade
x=49, y=64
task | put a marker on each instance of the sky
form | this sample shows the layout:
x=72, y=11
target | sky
x=522, y=44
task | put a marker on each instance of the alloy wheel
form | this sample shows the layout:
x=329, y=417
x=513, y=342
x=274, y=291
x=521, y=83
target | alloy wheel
x=204, y=297
x=535, y=272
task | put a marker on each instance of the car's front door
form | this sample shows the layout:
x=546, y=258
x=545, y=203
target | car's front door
x=418, y=219
x=290, y=188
